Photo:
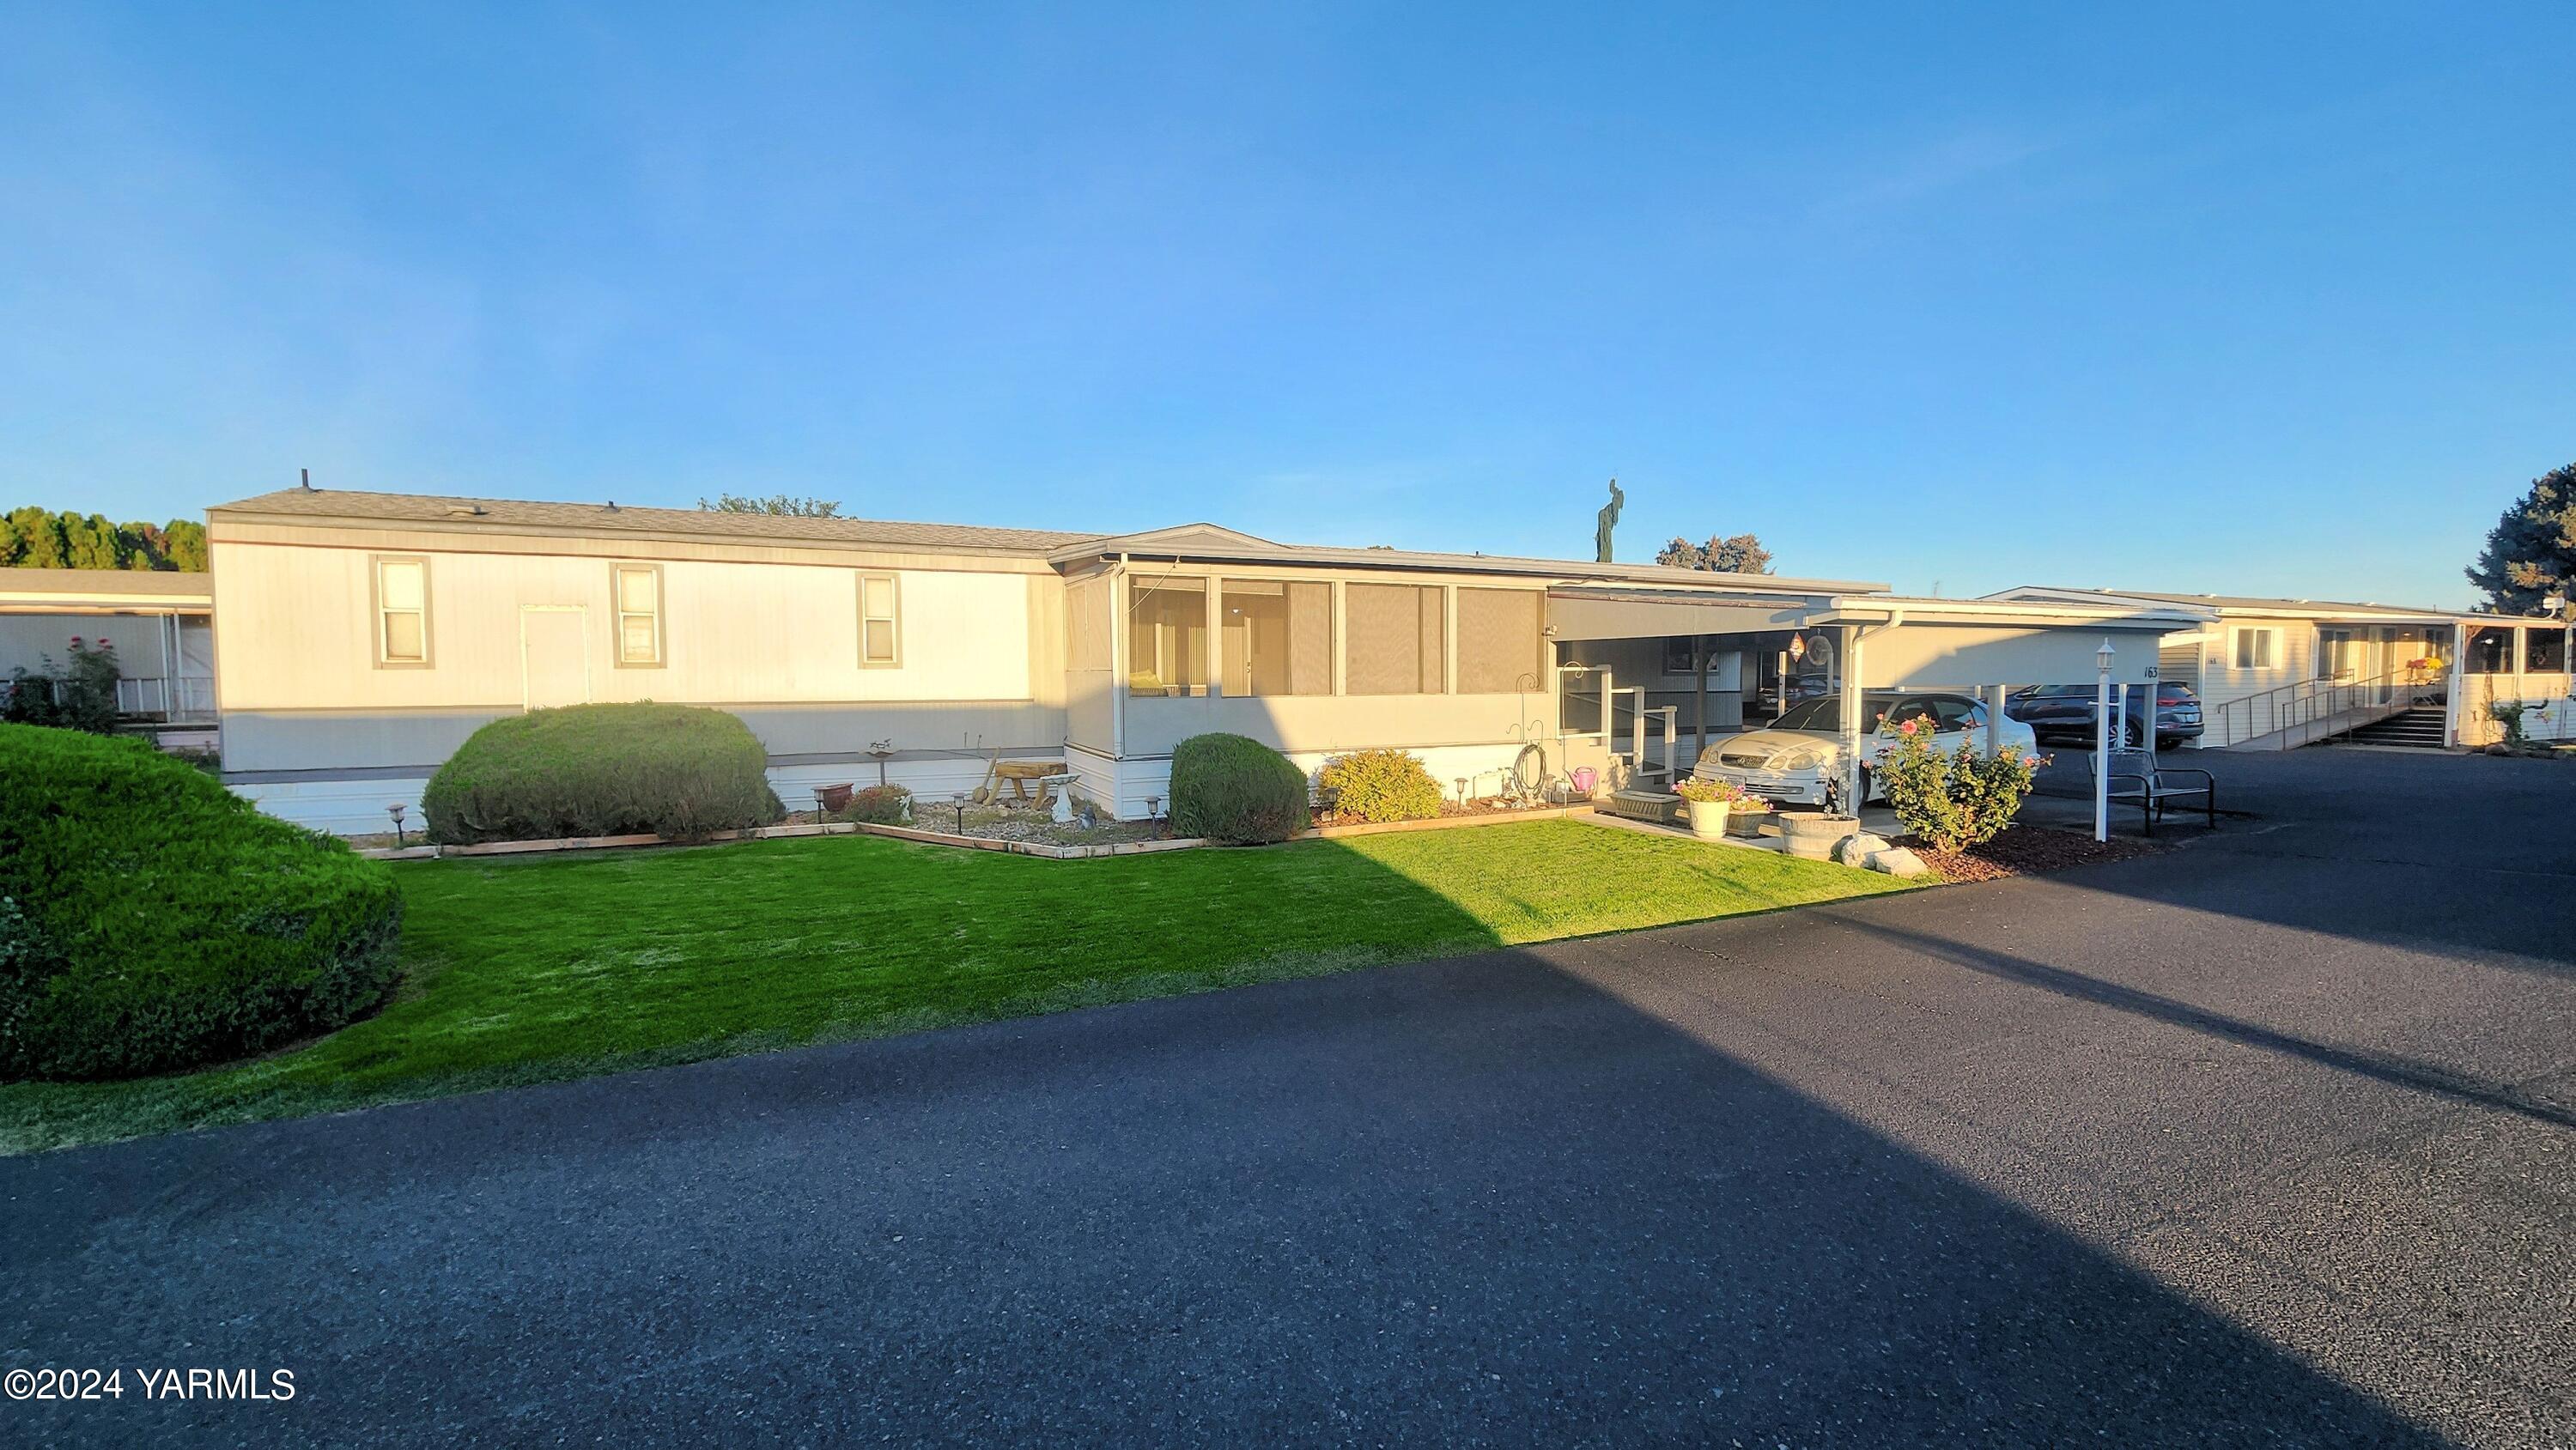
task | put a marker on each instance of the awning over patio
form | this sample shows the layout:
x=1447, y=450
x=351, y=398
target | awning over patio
x=1905, y=642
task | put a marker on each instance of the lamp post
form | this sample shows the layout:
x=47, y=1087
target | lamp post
x=2102, y=738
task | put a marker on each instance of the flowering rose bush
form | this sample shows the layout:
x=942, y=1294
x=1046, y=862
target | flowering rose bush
x=1952, y=802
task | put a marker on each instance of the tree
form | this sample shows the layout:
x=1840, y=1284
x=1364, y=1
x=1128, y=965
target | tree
x=2531, y=552
x=39, y=539
x=187, y=545
x=1740, y=554
x=776, y=503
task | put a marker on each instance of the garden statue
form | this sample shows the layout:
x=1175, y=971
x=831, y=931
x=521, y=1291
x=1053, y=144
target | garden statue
x=1609, y=520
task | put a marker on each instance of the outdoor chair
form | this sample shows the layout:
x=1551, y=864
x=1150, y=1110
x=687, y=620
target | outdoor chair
x=2135, y=776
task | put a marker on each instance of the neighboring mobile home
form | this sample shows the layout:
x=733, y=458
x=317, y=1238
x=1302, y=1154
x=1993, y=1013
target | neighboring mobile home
x=363, y=637
x=2288, y=671
x=156, y=621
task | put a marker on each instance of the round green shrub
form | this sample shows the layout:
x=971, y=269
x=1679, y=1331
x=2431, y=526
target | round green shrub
x=1235, y=789
x=151, y=920
x=675, y=771
x=1381, y=785
x=877, y=805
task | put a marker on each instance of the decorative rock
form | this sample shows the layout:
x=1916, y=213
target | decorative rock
x=1856, y=848
x=1896, y=861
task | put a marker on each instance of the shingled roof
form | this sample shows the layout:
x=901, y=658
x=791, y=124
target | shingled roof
x=347, y=506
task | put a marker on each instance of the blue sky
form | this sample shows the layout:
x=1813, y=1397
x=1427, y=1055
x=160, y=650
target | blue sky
x=2271, y=302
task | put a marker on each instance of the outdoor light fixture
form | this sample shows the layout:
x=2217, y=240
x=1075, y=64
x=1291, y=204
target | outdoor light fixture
x=396, y=811
x=1797, y=646
x=958, y=799
x=1154, y=815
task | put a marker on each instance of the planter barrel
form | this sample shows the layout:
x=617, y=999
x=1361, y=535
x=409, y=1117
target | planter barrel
x=1813, y=838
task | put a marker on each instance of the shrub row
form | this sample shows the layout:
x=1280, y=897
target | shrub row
x=151, y=920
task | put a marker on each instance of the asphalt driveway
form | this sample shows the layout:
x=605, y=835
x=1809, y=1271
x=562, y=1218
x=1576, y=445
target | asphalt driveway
x=2266, y=1140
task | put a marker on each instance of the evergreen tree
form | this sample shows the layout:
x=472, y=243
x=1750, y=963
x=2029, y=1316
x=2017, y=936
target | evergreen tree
x=1740, y=554
x=185, y=545
x=40, y=539
x=2531, y=552
x=776, y=503
x=90, y=542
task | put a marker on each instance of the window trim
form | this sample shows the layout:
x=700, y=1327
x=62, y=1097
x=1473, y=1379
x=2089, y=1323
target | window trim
x=617, y=612
x=2236, y=648
x=376, y=611
x=894, y=620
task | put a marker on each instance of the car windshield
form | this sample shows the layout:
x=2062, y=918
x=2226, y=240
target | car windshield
x=1826, y=715
x=2064, y=692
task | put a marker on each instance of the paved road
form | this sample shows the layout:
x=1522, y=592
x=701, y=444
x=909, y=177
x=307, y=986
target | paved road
x=2263, y=1141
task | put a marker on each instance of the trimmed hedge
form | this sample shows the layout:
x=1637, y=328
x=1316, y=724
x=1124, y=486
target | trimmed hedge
x=1235, y=789
x=151, y=920
x=878, y=805
x=602, y=770
x=1381, y=785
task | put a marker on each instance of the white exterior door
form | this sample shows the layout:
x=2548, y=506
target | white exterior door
x=554, y=655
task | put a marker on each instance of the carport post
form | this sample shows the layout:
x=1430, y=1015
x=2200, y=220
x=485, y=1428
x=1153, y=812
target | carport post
x=1699, y=700
x=1852, y=709
x=1995, y=719
x=2102, y=742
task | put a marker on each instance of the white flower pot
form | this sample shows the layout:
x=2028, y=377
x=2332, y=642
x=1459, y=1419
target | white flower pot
x=1707, y=818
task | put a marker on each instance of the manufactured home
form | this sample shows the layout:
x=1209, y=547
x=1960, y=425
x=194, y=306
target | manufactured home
x=157, y=621
x=2279, y=673
x=363, y=636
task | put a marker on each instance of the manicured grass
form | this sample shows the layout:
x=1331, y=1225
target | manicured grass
x=533, y=969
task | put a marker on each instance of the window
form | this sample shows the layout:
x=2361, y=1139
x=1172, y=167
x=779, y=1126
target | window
x=2257, y=649
x=880, y=622
x=402, y=611
x=2338, y=654
x=2544, y=651
x=2489, y=651
x=1958, y=715
x=639, y=613
x=1278, y=637
x=1398, y=639
x=1498, y=648
x=1167, y=642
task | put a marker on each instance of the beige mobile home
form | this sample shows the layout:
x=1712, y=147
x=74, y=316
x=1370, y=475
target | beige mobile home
x=362, y=637
x=2276, y=673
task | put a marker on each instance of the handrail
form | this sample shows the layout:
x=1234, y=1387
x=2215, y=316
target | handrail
x=2304, y=705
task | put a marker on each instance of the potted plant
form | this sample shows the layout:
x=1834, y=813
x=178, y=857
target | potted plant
x=1709, y=801
x=1813, y=838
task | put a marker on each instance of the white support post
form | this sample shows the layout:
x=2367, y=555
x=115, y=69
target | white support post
x=1995, y=719
x=1854, y=706
x=2102, y=742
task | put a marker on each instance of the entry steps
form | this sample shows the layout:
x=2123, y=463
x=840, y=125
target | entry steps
x=2419, y=728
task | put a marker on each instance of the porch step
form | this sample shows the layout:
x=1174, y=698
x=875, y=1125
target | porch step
x=2418, y=728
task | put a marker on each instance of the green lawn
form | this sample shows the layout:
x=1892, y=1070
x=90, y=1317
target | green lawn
x=534, y=969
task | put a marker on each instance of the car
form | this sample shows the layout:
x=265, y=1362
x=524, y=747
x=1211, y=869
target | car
x=1792, y=759
x=2065, y=712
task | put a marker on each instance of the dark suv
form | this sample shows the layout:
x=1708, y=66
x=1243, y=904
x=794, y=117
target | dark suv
x=2065, y=712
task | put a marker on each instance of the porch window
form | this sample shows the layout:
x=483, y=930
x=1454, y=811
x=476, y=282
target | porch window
x=402, y=611
x=1398, y=639
x=1498, y=642
x=2544, y=651
x=2338, y=654
x=880, y=622
x=2489, y=651
x=2257, y=649
x=1278, y=637
x=1167, y=641
x=639, y=614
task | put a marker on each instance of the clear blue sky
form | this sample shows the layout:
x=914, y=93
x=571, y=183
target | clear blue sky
x=2283, y=302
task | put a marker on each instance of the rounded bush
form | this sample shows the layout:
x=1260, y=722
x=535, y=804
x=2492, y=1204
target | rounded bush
x=151, y=920
x=1381, y=785
x=1236, y=789
x=877, y=805
x=676, y=771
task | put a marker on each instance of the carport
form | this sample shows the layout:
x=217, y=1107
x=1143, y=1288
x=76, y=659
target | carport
x=1879, y=642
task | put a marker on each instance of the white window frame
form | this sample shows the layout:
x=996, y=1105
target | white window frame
x=893, y=619
x=2270, y=649
x=619, y=613
x=380, y=612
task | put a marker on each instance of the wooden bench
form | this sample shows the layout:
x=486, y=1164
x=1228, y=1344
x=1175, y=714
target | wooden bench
x=2147, y=785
